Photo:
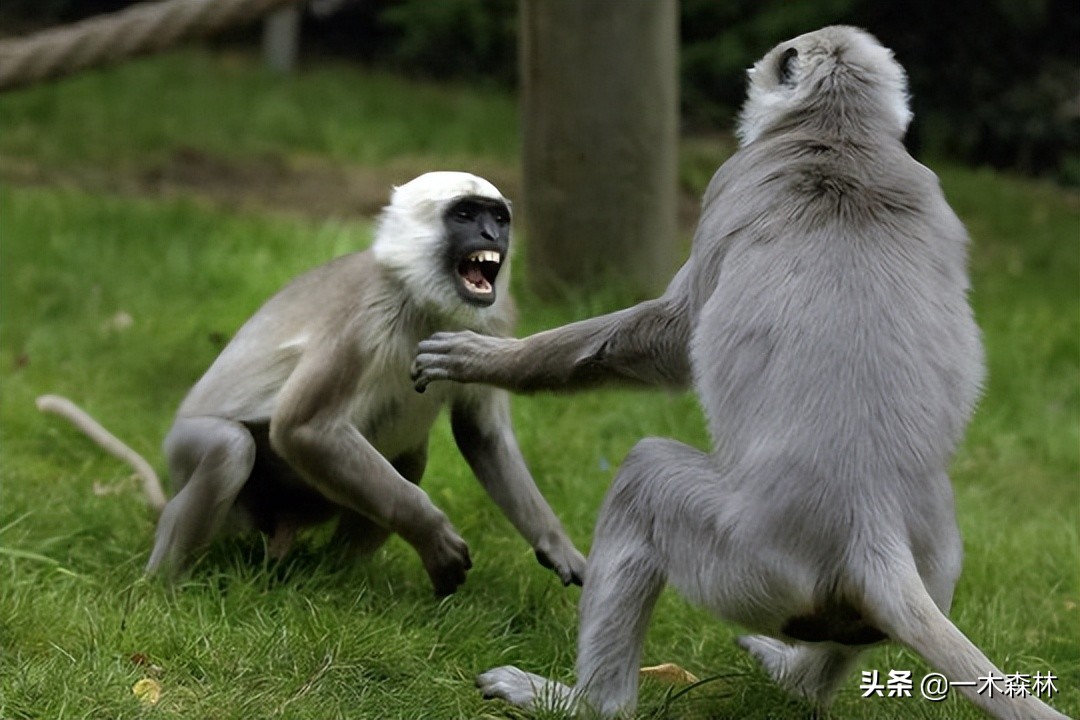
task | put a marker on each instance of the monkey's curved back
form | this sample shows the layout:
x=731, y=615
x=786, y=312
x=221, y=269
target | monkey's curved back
x=831, y=273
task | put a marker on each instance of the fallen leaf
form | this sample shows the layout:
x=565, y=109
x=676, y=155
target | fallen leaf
x=669, y=673
x=147, y=690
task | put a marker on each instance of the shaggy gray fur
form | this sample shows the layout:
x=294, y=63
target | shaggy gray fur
x=823, y=320
x=309, y=414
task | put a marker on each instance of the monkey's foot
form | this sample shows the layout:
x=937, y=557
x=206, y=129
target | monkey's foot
x=561, y=556
x=808, y=672
x=525, y=690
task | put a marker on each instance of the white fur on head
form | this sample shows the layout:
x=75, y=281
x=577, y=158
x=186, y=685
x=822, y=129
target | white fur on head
x=409, y=243
x=837, y=59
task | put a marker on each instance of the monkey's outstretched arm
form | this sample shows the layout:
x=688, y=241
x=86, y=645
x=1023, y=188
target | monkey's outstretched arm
x=645, y=345
x=310, y=428
x=480, y=419
x=111, y=444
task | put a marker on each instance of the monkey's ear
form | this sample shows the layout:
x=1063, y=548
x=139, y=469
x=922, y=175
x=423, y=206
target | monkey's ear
x=785, y=70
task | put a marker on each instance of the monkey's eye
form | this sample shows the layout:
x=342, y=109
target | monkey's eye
x=464, y=211
x=502, y=218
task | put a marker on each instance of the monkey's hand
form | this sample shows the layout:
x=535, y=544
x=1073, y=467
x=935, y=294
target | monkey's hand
x=445, y=556
x=559, y=554
x=464, y=357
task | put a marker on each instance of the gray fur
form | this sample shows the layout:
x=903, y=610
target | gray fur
x=823, y=320
x=309, y=413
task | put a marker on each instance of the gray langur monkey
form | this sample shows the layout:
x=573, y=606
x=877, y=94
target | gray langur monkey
x=822, y=318
x=309, y=412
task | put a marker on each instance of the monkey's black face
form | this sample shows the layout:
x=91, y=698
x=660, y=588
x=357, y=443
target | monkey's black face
x=478, y=238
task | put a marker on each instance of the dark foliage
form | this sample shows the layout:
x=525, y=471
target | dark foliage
x=993, y=82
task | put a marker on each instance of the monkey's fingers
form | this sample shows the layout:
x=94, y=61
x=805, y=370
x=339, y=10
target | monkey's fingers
x=425, y=370
x=442, y=344
x=448, y=578
x=569, y=578
x=449, y=356
x=448, y=566
x=568, y=574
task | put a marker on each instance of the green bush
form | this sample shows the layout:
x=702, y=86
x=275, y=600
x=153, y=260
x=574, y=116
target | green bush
x=474, y=39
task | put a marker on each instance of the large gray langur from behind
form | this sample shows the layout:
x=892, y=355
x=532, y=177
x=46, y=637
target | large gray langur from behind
x=309, y=412
x=822, y=318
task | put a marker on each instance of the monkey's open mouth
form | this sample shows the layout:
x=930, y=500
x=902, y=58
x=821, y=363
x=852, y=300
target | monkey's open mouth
x=479, y=270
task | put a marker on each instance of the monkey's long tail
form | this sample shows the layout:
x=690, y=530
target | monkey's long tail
x=908, y=614
x=90, y=427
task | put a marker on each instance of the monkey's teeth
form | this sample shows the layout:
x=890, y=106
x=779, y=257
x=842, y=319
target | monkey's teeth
x=485, y=256
x=479, y=270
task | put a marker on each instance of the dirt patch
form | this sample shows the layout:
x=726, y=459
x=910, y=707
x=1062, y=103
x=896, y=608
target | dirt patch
x=270, y=183
x=266, y=181
x=311, y=187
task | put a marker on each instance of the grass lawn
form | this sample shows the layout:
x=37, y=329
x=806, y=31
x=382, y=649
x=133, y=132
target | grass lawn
x=122, y=272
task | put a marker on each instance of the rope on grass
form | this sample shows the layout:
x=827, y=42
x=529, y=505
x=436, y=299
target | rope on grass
x=139, y=29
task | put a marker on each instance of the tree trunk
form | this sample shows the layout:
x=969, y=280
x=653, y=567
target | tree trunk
x=600, y=124
x=281, y=39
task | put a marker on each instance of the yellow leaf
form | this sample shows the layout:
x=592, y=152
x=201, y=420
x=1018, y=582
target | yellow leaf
x=148, y=690
x=669, y=673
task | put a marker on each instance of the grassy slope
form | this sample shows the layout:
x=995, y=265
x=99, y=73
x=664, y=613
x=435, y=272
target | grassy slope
x=320, y=637
x=144, y=109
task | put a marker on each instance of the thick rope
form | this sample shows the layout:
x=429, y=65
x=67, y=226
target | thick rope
x=142, y=28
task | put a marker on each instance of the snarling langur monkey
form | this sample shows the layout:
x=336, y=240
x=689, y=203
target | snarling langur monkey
x=822, y=319
x=309, y=412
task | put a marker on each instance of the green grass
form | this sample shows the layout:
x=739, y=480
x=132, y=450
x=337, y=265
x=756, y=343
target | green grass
x=138, y=111
x=318, y=636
